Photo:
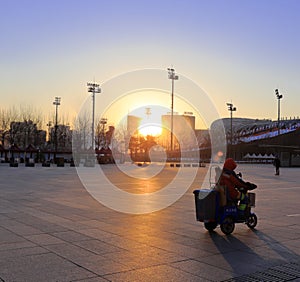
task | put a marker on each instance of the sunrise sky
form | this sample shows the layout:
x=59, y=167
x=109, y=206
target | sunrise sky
x=238, y=51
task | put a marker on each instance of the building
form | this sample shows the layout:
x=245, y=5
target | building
x=25, y=133
x=183, y=131
x=64, y=137
x=133, y=123
x=260, y=140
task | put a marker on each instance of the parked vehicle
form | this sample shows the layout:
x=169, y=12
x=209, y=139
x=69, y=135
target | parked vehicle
x=212, y=210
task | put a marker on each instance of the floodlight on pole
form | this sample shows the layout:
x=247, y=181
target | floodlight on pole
x=279, y=96
x=56, y=103
x=173, y=77
x=93, y=88
x=231, y=108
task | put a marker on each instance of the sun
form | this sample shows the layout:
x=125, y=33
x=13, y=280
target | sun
x=150, y=129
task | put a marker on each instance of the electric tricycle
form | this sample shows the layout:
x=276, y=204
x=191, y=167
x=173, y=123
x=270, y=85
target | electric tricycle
x=214, y=207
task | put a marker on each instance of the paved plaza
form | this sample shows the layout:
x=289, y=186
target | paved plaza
x=52, y=229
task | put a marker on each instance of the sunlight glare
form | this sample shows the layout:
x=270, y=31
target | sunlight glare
x=152, y=130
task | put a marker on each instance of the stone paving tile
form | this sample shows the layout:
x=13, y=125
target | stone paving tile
x=97, y=233
x=7, y=208
x=97, y=246
x=70, y=236
x=135, y=260
x=93, y=279
x=204, y=271
x=87, y=259
x=16, y=245
x=275, y=253
x=43, y=239
x=142, y=258
x=155, y=273
x=237, y=262
x=42, y=267
x=42, y=224
x=3, y=217
x=123, y=243
x=19, y=228
x=48, y=227
x=58, y=222
x=101, y=266
x=280, y=234
x=70, y=251
x=73, y=225
x=204, y=244
x=96, y=223
x=179, y=249
x=75, y=217
x=17, y=252
x=7, y=236
x=294, y=246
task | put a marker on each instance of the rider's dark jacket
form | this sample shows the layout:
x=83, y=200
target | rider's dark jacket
x=231, y=180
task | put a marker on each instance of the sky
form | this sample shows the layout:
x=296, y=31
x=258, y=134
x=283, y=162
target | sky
x=236, y=51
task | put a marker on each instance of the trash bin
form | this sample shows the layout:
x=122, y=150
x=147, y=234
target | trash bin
x=46, y=164
x=206, y=202
x=30, y=163
x=13, y=162
x=60, y=162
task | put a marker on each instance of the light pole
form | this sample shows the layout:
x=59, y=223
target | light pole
x=93, y=88
x=56, y=103
x=103, y=122
x=231, y=108
x=173, y=77
x=279, y=96
x=49, y=124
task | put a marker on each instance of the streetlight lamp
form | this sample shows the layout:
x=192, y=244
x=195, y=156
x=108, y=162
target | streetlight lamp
x=231, y=108
x=56, y=103
x=279, y=96
x=173, y=77
x=93, y=88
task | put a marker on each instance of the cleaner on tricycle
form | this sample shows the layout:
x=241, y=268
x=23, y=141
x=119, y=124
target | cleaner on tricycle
x=227, y=202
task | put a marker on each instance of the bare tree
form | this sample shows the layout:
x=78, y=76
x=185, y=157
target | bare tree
x=64, y=132
x=63, y=119
x=7, y=116
x=82, y=131
x=29, y=113
x=121, y=138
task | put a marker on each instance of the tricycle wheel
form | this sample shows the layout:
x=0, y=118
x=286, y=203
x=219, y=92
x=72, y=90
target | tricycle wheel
x=227, y=226
x=252, y=221
x=210, y=226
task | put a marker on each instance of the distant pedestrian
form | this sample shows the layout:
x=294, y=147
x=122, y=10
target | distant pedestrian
x=276, y=163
